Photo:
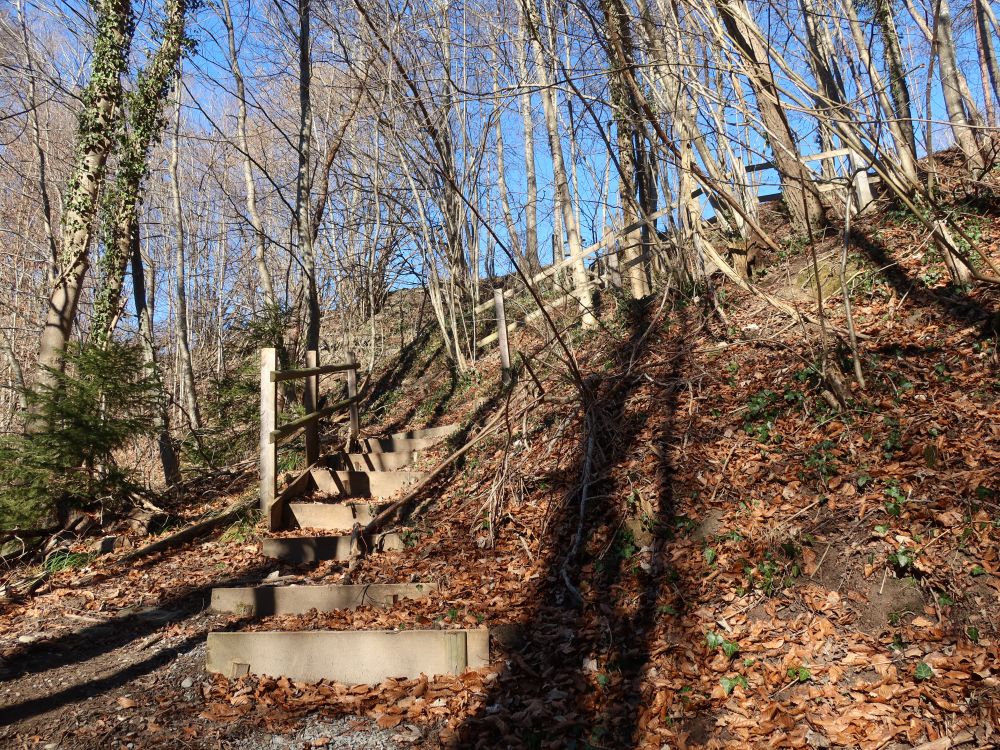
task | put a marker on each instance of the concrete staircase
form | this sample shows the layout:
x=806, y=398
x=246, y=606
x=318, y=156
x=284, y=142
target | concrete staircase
x=350, y=490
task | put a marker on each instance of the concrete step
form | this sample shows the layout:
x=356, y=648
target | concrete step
x=264, y=601
x=372, y=461
x=374, y=484
x=309, y=549
x=428, y=432
x=350, y=656
x=334, y=516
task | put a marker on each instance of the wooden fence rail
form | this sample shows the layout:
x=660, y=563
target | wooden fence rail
x=860, y=183
x=271, y=434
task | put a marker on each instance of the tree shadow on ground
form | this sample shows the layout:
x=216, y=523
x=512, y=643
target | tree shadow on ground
x=952, y=300
x=98, y=640
x=578, y=676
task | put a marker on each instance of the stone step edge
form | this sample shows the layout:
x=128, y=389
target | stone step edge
x=265, y=601
x=351, y=657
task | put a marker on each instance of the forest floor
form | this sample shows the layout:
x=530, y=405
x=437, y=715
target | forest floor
x=752, y=567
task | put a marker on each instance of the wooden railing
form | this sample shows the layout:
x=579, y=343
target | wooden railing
x=860, y=184
x=271, y=434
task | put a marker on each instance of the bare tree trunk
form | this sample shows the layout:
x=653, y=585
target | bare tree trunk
x=36, y=134
x=161, y=418
x=528, y=125
x=563, y=200
x=904, y=138
x=303, y=191
x=944, y=46
x=989, y=70
x=260, y=238
x=805, y=207
x=7, y=347
x=960, y=82
x=183, y=345
x=632, y=177
x=902, y=106
x=514, y=237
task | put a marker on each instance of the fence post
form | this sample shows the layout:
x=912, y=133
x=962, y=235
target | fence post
x=310, y=401
x=862, y=189
x=501, y=312
x=352, y=393
x=268, y=417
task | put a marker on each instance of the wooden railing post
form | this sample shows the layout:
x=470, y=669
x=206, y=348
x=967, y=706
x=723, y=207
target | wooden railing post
x=311, y=402
x=501, y=313
x=352, y=393
x=268, y=417
x=862, y=189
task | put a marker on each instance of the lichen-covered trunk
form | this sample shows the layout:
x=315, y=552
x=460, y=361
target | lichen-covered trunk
x=100, y=108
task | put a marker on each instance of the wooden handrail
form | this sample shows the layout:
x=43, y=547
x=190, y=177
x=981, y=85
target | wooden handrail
x=281, y=375
x=271, y=434
x=295, y=425
x=610, y=237
x=537, y=312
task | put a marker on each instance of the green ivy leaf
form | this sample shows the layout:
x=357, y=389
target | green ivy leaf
x=730, y=683
x=923, y=671
x=800, y=674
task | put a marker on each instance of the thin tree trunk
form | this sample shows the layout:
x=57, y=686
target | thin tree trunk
x=260, y=238
x=805, y=208
x=36, y=133
x=161, y=418
x=563, y=200
x=902, y=106
x=990, y=72
x=905, y=140
x=944, y=46
x=528, y=126
x=303, y=192
x=508, y=215
x=185, y=367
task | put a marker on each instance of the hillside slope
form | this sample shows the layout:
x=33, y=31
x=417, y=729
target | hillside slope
x=688, y=546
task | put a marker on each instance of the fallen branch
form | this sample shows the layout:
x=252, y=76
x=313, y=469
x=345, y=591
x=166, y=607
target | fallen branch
x=944, y=743
x=195, y=530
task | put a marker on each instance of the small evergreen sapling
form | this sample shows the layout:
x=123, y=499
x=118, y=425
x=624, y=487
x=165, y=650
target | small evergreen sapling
x=102, y=402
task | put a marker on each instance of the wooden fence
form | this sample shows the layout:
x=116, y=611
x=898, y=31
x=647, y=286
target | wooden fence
x=271, y=434
x=860, y=182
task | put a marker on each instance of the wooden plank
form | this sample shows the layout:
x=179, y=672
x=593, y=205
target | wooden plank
x=610, y=237
x=349, y=656
x=333, y=516
x=605, y=241
x=310, y=549
x=277, y=518
x=501, y=314
x=442, y=431
x=311, y=401
x=371, y=461
x=398, y=445
x=281, y=375
x=537, y=312
x=294, y=426
x=363, y=483
x=266, y=601
x=352, y=396
x=268, y=415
